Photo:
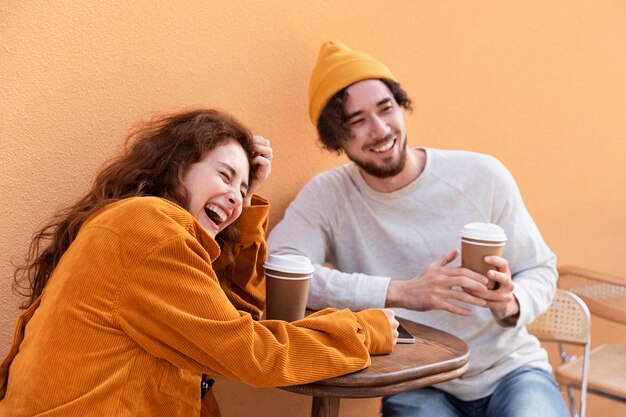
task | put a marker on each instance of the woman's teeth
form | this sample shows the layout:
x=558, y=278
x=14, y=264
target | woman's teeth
x=216, y=214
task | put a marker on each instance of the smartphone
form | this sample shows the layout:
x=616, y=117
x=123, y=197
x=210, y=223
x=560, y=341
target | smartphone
x=405, y=336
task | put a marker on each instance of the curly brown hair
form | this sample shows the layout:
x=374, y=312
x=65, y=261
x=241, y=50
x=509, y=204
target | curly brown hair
x=155, y=156
x=331, y=126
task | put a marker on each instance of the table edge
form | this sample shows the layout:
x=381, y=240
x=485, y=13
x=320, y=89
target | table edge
x=322, y=391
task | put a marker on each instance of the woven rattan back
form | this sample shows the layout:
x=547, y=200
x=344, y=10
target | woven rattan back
x=604, y=295
x=567, y=320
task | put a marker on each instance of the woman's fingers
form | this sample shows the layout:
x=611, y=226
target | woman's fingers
x=262, y=147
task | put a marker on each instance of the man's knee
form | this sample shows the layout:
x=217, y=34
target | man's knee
x=525, y=391
x=418, y=403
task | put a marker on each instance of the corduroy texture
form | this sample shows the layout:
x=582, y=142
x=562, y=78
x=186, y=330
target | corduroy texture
x=138, y=308
x=337, y=67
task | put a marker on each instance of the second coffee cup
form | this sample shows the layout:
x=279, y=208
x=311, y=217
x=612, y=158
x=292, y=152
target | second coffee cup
x=288, y=278
x=477, y=241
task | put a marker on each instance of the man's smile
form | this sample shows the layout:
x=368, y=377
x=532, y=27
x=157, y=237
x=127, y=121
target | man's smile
x=385, y=146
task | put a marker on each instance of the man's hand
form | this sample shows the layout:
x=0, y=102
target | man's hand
x=501, y=302
x=433, y=288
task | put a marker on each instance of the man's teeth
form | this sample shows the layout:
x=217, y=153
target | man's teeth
x=385, y=147
x=221, y=214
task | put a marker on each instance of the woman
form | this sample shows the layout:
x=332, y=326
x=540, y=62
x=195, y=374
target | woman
x=155, y=278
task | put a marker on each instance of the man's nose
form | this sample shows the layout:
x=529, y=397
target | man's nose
x=379, y=127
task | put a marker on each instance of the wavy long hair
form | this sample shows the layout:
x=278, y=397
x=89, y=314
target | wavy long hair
x=155, y=156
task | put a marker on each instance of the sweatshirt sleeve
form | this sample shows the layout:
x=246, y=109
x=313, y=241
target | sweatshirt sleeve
x=532, y=263
x=172, y=305
x=307, y=229
x=243, y=280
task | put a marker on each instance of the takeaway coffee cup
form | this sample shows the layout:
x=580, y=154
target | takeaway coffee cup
x=477, y=241
x=287, y=283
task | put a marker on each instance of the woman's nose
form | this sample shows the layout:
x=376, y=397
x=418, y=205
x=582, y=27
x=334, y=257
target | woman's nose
x=235, y=198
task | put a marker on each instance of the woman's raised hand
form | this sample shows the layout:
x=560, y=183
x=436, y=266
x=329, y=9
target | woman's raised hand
x=262, y=165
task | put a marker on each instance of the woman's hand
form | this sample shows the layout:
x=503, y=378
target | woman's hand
x=391, y=316
x=261, y=166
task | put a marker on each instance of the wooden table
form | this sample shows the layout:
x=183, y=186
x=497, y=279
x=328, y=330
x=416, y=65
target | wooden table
x=435, y=357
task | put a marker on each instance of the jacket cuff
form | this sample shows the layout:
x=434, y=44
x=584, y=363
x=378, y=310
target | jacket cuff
x=378, y=338
x=253, y=221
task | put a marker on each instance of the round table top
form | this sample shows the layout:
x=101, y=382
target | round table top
x=436, y=356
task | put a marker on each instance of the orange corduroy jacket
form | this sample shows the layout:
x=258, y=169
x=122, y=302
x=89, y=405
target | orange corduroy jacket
x=141, y=305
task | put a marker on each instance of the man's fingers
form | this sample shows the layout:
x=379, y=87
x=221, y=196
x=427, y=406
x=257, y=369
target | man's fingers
x=499, y=262
x=452, y=308
x=477, y=285
x=447, y=257
x=469, y=298
x=469, y=274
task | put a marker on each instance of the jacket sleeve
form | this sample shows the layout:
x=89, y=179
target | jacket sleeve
x=172, y=305
x=243, y=280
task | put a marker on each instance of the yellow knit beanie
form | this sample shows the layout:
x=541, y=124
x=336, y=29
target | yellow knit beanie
x=338, y=67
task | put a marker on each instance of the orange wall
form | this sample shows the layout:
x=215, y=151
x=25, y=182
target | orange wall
x=538, y=84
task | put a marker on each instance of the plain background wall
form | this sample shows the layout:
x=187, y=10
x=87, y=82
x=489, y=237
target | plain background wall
x=540, y=85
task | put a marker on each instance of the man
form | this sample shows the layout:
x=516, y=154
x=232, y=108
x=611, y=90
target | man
x=389, y=223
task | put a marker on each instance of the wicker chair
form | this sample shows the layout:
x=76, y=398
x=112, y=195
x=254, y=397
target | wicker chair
x=567, y=322
x=606, y=297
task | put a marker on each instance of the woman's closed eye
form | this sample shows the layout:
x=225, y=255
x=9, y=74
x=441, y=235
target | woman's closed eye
x=225, y=176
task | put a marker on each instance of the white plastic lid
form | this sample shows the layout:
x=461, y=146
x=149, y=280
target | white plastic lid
x=484, y=231
x=295, y=264
x=302, y=278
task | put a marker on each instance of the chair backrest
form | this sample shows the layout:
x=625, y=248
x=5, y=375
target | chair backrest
x=605, y=295
x=567, y=320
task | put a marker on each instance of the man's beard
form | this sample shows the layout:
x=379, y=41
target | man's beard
x=385, y=171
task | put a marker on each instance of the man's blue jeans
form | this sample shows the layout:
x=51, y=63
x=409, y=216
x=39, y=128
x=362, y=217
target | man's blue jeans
x=526, y=392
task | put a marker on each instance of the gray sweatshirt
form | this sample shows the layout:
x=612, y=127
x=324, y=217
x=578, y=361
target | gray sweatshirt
x=370, y=237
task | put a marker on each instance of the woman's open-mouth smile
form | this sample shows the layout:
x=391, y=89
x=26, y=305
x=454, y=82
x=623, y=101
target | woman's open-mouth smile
x=216, y=214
